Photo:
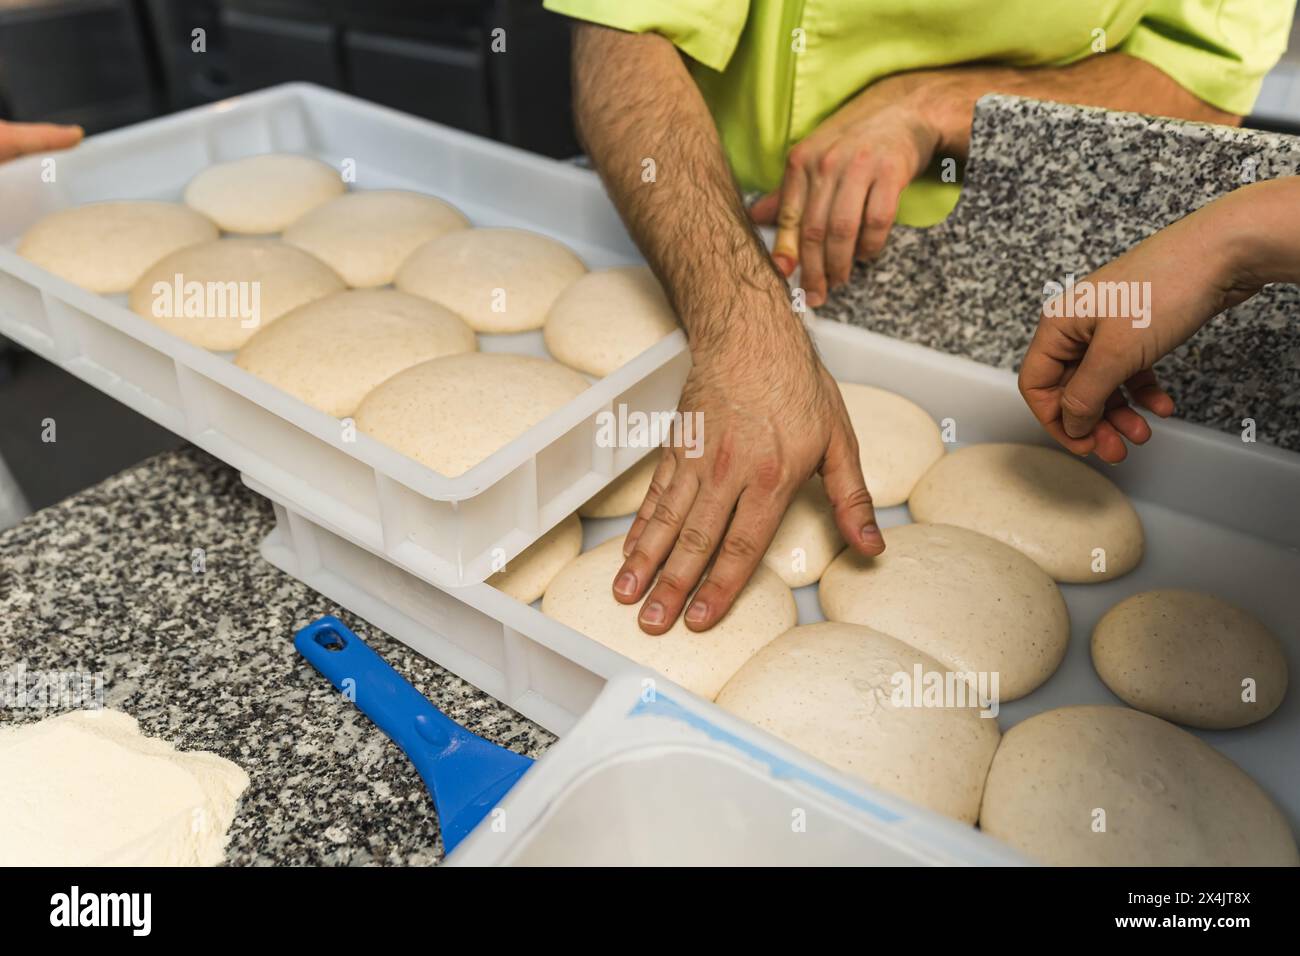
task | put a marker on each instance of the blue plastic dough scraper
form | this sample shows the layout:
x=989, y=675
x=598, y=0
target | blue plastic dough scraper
x=466, y=774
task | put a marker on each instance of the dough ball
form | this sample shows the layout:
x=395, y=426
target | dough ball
x=971, y=602
x=807, y=539
x=106, y=246
x=1040, y=501
x=497, y=280
x=1183, y=656
x=607, y=318
x=230, y=288
x=623, y=495
x=527, y=576
x=365, y=236
x=453, y=412
x=262, y=194
x=582, y=597
x=87, y=789
x=828, y=689
x=1169, y=798
x=897, y=441
x=332, y=352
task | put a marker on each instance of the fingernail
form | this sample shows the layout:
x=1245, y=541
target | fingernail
x=697, y=612
x=815, y=299
x=653, y=613
x=871, y=534
x=628, y=546
x=784, y=263
x=626, y=584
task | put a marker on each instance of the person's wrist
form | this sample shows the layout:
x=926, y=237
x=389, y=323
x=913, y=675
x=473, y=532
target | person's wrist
x=932, y=104
x=761, y=322
x=1233, y=248
x=1253, y=225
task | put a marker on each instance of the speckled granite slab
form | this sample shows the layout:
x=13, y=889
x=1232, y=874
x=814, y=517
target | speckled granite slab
x=104, y=582
x=1053, y=189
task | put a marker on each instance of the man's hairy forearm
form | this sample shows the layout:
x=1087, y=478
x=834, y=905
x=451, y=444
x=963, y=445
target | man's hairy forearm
x=636, y=105
x=1115, y=81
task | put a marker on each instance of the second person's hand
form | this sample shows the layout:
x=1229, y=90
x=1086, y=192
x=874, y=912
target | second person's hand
x=19, y=139
x=1082, y=375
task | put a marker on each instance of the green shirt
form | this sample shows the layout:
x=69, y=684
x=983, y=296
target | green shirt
x=772, y=70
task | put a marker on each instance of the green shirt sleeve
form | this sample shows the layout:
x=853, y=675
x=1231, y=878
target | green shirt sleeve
x=1219, y=50
x=705, y=30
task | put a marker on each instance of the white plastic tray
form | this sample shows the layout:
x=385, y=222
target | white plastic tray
x=449, y=529
x=1220, y=516
x=654, y=776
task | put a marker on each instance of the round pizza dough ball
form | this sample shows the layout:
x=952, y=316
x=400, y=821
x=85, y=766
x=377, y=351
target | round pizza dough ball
x=581, y=596
x=972, y=602
x=527, y=576
x=453, y=412
x=1168, y=798
x=498, y=280
x=229, y=289
x=106, y=246
x=332, y=352
x=1040, y=501
x=607, y=318
x=1184, y=656
x=262, y=194
x=365, y=236
x=897, y=441
x=807, y=539
x=828, y=689
x=623, y=495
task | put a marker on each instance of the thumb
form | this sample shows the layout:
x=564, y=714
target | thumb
x=848, y=494
x=764, y=211
x=1083, y=402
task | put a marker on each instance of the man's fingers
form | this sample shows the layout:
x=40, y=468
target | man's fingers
x=657, y=540
x=758, y=515
x=763, y=212
x=845, y=222
x=814, y=229
x=855, y=515
x=701, y=534
x=882, y=207
x=794, y=190
x=19, y=139
x=659, y=483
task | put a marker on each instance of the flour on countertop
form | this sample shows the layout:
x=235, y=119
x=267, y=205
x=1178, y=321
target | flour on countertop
x=87, y=788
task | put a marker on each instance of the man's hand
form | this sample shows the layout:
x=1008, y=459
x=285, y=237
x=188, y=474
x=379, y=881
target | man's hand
x=1213, y=259
x=841, y=186
x=840, y=193
x=19, y=139
x=772, y=416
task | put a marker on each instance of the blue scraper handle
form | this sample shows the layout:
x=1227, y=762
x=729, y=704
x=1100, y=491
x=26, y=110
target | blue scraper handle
x=467, y=775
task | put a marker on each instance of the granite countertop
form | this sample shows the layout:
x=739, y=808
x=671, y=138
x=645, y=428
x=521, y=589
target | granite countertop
x=103, y=582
